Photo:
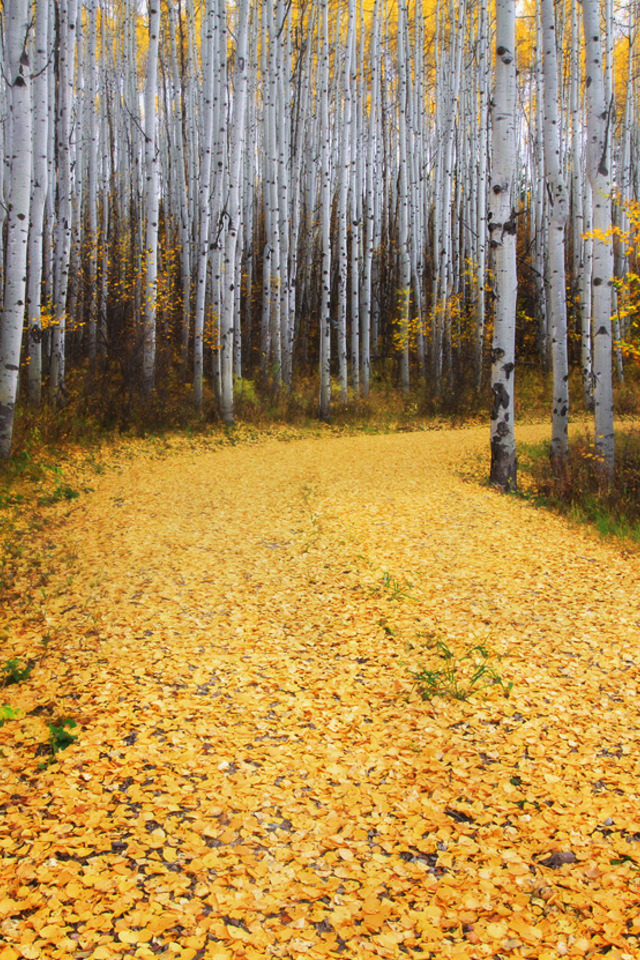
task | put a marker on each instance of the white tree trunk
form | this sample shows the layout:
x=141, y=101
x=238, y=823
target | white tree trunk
x=17, y=77
x=209, y=48
x=234, y=211
x=152, y=201
x=598, y=133
x=63, y=229
x=581, y=221
x=39, y=188
x=503, y=242
x=481, y=260
x=324, y=410
x=404, y=292
x=92, y=131
x=558, y=213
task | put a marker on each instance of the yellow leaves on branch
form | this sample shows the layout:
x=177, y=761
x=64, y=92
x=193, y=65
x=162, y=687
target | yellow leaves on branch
x=254, y=774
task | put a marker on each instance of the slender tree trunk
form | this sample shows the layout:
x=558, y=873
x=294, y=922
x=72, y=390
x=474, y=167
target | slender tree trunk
x=17, y=77
x=325, y=214
x=152, y=199
x=404, y=293
x=181, y=189
x=39, y=188
x=366, y=307
x=581, y=221
x=503, y=242
x=481, y=268
x=558, y=213
x=63, y=229
x=234, y=212
x=598, y=133
x=92, y=130
x=204, y=200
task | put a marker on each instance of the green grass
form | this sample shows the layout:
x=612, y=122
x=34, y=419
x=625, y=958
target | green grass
x=12, y=671
x=442, y=672
x=580, y=491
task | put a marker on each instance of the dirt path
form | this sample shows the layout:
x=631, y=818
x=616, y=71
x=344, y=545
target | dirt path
x=254, y=775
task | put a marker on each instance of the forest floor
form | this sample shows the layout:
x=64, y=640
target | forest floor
x=234, y=629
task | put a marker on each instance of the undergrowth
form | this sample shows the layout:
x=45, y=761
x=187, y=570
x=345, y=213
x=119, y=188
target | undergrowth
x=440, y=672
x=580, y=490
x=12, y=672
x=60, y=738
x=7, y=713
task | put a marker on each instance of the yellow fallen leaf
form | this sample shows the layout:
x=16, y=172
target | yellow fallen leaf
x=129, y=936
x=8, y=953
x=215, y=951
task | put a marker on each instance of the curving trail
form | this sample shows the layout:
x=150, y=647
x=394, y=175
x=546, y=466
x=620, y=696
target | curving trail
x=254, y=775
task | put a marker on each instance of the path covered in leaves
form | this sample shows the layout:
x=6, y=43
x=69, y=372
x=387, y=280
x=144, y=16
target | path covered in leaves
x=254, y=775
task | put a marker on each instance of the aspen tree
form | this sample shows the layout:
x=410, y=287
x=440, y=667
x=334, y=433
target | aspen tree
x=449, y=69
x=344, y=179
x=273, y=267
x=219, y=177
x=234, y=211
x=370, y=207
x=539, y=219
x=502, y=228
x=17, y=78
x=404, y=294
x=152, y=200
x=92, y=132
x=181, y=185
x=78, y=168
x=39, y=187
x=610, y=98
x=325, y=214
x=283, y=110
x=106, y=174
x=558, y=213
x=418, y=223
x=581, y=219
x=598, y=133
x=356, y=200
x=63, y=229
x=204, y=206
x=50, y=206
x=482, y=181
x=625, y=175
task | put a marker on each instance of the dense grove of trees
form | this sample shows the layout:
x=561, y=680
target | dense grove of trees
x=215, y=190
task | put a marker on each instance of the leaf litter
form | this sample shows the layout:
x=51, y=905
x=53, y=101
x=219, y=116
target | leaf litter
x=235, y=633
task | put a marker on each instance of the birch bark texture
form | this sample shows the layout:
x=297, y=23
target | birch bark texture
x=558, y=199
x=152, y=202
x=324, y=407
x=502, y=231
x=598, y=172
x=67, y=11
x=234, y=211
x=39, y=190
x=18, y=79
